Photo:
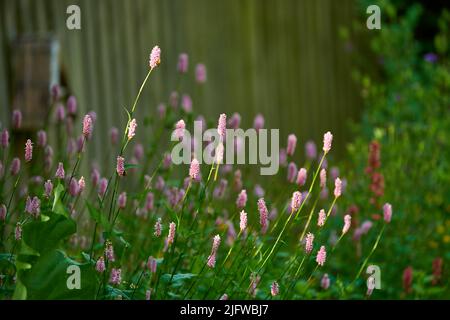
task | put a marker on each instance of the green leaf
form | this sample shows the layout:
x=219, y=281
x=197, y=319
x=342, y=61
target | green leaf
x=48, y=279
x=97, y=216
x=58, y=206
x=130, y=166
x=46, y=235
x=177, y=278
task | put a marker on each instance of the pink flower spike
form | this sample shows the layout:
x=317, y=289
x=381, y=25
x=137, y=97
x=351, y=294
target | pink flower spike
x=100, y=265
x=48, y=188
x=322, y=218
x=194, y=170
x=274, y=289
x=325, y=282
x=102, y=186
x=73, y=187
x=28, y=150
x=60, y=171
x=258, y=123
x=296, y=201
x=241, y=200
x=87, y=126
x=301, y=177
x=323, y=178
x=263, y=214
x=347, y=223
x=132, y=129
x=222, y=126
x=4, y=139
x=2, y=212
x=158, y=228
x=72, y=105
x=309, y=241
x=18, y=231
x=321, y=256
x=219, y=153
x=171, y=236
x=387, y=212
x=152, y=264
x=120, y=167
x=41, y=138
x=15, y=166
x=291, y=144
x=292, y=172
x=155, y=57
x=311, y=150
x=337, y=187
x=122, y=200
x=16, y=119
x=116, y=277
x=243, y=221
x=180, y=126
x=109, y=252
x=200, y=73
x=327, y=139
x=183, y=62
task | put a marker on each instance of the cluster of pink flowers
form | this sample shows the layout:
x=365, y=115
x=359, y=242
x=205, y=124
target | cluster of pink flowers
x=212, y=257
x=263, y=215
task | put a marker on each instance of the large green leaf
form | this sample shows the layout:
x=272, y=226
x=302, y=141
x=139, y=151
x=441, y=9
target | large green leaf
x=58, y=206
x=97, y=216
x=43, y=236
x=49, y=276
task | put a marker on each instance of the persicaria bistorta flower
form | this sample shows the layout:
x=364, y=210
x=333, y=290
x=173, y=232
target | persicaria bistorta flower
x=200, y=73
x=347, y=223
x=155, y=57
x=325, y=282
x=15, y=166
x=28, y=150
x=180, y=126
x=87, y=126
x=42, y=138
x=291, y=144
x=120, y=166
x=301, y=177
x=17, y=119
x=222, y=126
x=116, y=277
x=100, y=265
x=194, y=170
x=241, y=200
x=18, y=231
x=310, y=150
x=2, y=212
x=321, y=256
x=322, y=218
x=387, y=212
x=60, y=171
x=33, y=206
x=122, y=200
x=186, y=103
x=171, y=236
x=109, y=252
x=158, y=228
x=309, y=241
x=274, y=289
x=132, y=129
x=152, y=264
x=81, y=184
x=72, y=105
x=73, y=187
x=337, y=187
x=243, y=220
x=258, y=123
x=212, y=257
x=323, y=178
x=292, y=172
x=219, y=153
x=327, y=139
x=296, y=201
x=263, y=214
x=4, y=139
x=102, y=186
x=183, y=61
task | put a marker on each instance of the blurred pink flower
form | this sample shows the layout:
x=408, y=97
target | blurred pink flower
x=60, y=171
x=325, y=282
x=241, y=200
x=337, y=187
x=171, y=236
x=321, y=256
x=200, y=73
x=194, y=170
x=16, y=119
x=291, y=144
x=322, y=218
x=258, y=123
x=41, y=138
x=309, y=242
x=183, y=63
x=301, y=177
x=274, y=289
x=28, y=150
x=243, y=220
x=263, y=215
x=347, y=223
x=387, y=212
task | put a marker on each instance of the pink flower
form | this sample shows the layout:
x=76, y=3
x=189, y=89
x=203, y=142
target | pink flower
x=16, y=119
x=301, y=177
x=161, y=110
x=109, y=252
x=254, y=281
x=258, y=123
x=149, y=201
x=241, y=199
x=48, y=188
x=309, y=242
x=323, y=178
x=243, y=220
x=291, y=144
x=219, y=153
x=180, y=126
x=310, y=150
x=55, y=92
x=4, y=139
x=41, y=138
x=116, y=277
x=60, y=113
x=155, y=57
x=120, y=167
x=122, y=200
x=387, y=212
x=28, y=151
x=100, y=265
x=87, y=126
x=33, y=206
x=263, y=213
x=327, y=139
x=224, y=297
x=171, y=236
x=158, y=228
x=274, y=289
x=321, y=256
x=183, y=62
x=292, y=172
x=200, y=73
x=322, y=218
x=222, y=126
x=186, y=103
x=337, y=187
x=72, y=105
x=152, y=264
x=73, y=187
x=81, y=184
x=102, y=186
x=325, y=282
x=60, y=171
x=296, y=201
x=194, y=170
x=212, y=257
x=132, y=129
x=15, y=166
x=347, y=223
x=235, y=121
